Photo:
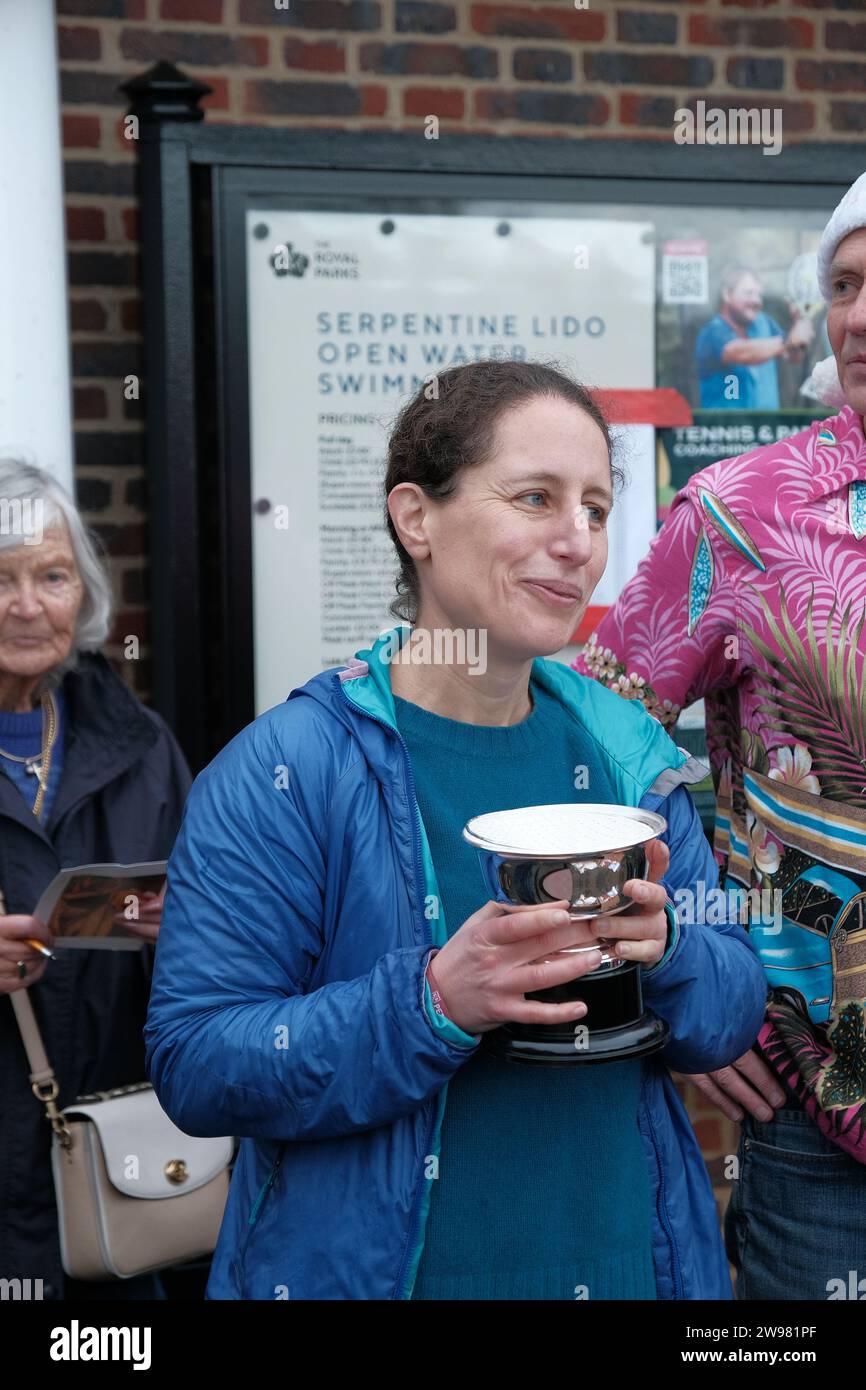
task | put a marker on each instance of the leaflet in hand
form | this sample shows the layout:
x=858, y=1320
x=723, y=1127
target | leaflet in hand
x=79, y=905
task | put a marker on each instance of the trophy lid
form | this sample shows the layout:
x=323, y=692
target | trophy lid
x=568, y=830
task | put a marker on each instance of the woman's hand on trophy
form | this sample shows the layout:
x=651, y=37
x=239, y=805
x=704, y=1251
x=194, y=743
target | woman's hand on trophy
x=641, y=932
x=496, y=958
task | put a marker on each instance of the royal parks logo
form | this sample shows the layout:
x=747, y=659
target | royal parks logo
x=327, y=262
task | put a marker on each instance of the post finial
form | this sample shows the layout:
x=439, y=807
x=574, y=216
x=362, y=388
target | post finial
x=164, y=93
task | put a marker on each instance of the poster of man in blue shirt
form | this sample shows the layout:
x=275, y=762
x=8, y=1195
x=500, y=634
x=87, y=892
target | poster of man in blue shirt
x=738, y=349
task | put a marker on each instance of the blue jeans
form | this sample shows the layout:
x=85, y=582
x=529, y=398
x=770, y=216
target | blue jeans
x=797, y=1216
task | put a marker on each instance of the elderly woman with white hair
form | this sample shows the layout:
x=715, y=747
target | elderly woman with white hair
x=87, y=775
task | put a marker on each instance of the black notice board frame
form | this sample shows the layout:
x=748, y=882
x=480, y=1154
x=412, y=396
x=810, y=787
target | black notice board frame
x=196, y=183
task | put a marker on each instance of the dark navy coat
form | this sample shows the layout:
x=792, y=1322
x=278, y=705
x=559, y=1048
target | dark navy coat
x=120, y=800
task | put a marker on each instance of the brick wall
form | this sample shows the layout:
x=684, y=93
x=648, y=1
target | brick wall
x=539, y=68
x=543, y=67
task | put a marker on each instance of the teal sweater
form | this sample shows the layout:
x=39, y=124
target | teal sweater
x=542, y=1189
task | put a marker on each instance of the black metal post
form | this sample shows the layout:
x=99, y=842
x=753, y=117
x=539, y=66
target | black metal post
x=165, y=102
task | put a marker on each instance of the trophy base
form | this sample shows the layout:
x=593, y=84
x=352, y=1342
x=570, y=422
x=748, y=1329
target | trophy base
x=551, y=1047
x=615, y=1027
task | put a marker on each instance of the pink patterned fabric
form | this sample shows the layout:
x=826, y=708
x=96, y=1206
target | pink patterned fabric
x=753, y=596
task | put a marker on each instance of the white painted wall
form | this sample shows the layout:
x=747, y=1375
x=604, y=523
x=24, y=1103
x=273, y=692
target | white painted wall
x=35, y=390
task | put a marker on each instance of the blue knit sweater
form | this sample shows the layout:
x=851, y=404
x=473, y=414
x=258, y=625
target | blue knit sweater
x=542, y=1189
x=21, y=734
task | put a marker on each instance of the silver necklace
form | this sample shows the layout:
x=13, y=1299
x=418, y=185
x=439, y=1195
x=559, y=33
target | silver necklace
x=33, y=763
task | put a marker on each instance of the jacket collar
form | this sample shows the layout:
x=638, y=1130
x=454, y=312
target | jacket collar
x=107, y=732
x=375, y=694
x=838, y=453
x=639, y=753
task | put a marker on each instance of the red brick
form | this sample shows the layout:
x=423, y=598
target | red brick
x=87, y=316
x=848, y=117
x=219, y=97
x=850, y=38
x=521, y=22
x=129, y=623
x=122, y=540
x=766, y=73
x=91, y=86
x=635, y=109
x=305, y=99
x=649, y=69
x=374, y=101
x=314, y=57
x=358, y=15
x=93, y=494
x=85, y=224
x=89, y=268
x=78, y=43
x=545, y=107
x=814, y=75
x=196, y=11
x=432, y=60
x=709, y=1134
x=447, y=103
x=200, y=50
x=131, y=229
x=103, y=9
x=130, y=315
x=541, y=65
x=89, y=403
x=134, y=582
x=81, y=132
x=751, y=33
x=797, y=116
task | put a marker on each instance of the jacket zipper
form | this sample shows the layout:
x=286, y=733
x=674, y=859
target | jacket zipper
x=265, y=1188
x=662, y=1207
x=419, y=879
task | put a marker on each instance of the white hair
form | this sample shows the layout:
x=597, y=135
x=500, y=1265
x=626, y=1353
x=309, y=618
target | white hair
x=24, y=486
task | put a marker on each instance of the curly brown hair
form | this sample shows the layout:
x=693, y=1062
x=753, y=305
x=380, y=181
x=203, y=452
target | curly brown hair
x=434, y=440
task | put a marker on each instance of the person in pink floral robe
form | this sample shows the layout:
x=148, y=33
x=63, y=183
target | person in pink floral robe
x=753, y=597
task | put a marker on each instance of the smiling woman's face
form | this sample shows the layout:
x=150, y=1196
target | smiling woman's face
x=40, y=595
x=535, y=514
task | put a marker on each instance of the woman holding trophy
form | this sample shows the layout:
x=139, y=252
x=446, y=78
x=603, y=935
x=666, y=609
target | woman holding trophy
x=334, y=980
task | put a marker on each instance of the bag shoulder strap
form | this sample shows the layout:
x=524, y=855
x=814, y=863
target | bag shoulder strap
x=40, y=1067
x=43, y=1082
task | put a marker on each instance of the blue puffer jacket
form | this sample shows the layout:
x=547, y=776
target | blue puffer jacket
x=288, y=993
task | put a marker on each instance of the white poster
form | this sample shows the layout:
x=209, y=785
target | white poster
x=349, y=315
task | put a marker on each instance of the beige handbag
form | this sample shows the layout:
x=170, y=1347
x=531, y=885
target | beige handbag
x=134, y=1193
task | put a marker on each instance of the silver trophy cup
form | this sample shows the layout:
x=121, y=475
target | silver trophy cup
x=584, y=853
